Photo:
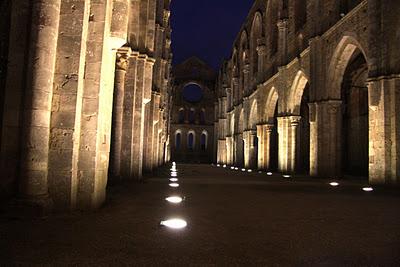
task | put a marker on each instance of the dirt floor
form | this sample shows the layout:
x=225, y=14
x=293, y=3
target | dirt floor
x=234, y=219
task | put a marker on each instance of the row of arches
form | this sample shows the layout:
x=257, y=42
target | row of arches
x=191, y=142
x=298, y=133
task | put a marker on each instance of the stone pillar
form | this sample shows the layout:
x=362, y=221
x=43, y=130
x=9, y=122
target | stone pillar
x=295, y=143
x=288, y=142
x=33, y=180
x=246, y=79
x=262, y=53
x=384, y=133
x=282, y=41
x=283, y=153
x=142, y=97
x=315, y=114
x=235, y=87
x=118, y=111
x=264, y=145
x=229, y=150
x=128, y=117
x=249, y=149
x=334, y=160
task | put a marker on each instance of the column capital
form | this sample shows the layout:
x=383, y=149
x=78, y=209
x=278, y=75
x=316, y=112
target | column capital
x=334, y=106
x=122, y=59
x=282, y=24
x=295, y=120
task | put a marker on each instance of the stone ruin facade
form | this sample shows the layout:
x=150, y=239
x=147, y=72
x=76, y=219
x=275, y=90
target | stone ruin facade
x=86, y=99
x=313, y=87
x=192, y=123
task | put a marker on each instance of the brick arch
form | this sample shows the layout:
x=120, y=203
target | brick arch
x=341, y=57
x=296, y=92
x=270, y=105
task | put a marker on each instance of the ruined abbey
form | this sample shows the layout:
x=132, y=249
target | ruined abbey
x=313, y=87
x=89, y=96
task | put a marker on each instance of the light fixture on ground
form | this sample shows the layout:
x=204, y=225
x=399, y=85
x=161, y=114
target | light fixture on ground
x=224, y=166
x=243, y=170
x=286, y=176
x=259, y=171
x=174, y=180
x=174, y=223
x=174, y=199
x=174, y=185
x=269, y=173
x=334, y=184
x=174, y=174
x=249, y=170
x=236, y=168
x=218, y=165
x=232, y=168
x=368, y=189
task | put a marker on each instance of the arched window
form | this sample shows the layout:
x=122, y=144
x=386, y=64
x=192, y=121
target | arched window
x=181, y=116
x=191, y=140
x=178, y=138
x=203, y=141
x=192, y=116
x=202, y=116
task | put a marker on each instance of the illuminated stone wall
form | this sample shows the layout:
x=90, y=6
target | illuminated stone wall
x=193, y=71
x=311, y=77
x=87, y=82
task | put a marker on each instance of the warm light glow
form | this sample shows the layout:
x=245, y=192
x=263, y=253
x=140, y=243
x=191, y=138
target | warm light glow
x=232, y=168
x=334, y=184
x=173, y=180
x=174, y=185
x=286, y=176
x=174, y=223
x=174, y=199
x=174, y=175
x=368, y=189
x=249, y=170
x=224, y=166
x=218, y=165
x=269, y=173
x=237, y=168
x=173, y=169
x=243, y=170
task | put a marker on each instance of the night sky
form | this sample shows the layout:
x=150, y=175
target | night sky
x=206, y=28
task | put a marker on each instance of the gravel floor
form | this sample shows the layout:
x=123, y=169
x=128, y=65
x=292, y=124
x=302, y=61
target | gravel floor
x=234, y=219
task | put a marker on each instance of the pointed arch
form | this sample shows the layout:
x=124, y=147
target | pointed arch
x=344, y=52
x=296, y=92
x=254, y=116
x=270, y=105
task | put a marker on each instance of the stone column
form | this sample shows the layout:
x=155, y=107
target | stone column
x=128, y=117
x=262, y=53
x=118, y=110
x=246, y=79
x=264, y=145
x=235, y=87
x=229, y=150
x=384, y=133
x=315, y=114
x=335, y=139
x=247, y=148
x=282, y=41
x=295, y=142
x=284, y=153
x=33, y=180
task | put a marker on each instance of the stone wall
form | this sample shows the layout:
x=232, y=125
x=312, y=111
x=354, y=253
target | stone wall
x=315, y=45
x=78, y=90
